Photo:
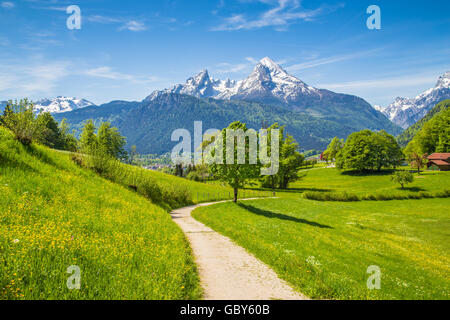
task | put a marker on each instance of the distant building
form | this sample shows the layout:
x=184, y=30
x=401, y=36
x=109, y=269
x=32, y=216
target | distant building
x=439, y=161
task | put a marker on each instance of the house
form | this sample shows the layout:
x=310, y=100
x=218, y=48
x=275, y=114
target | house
x=439, y=161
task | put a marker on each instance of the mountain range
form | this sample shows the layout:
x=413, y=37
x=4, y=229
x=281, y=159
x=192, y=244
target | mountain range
x=269, y=94
x=56, y=105
x=405, y=112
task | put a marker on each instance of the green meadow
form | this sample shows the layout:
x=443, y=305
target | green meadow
x=55, y=214
x=324, y=248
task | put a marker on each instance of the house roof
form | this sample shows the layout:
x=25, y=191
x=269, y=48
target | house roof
x=440, y=162
x=439, y=156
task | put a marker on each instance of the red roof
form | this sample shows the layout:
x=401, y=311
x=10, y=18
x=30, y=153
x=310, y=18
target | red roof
x=439, y=156
x=440, y=162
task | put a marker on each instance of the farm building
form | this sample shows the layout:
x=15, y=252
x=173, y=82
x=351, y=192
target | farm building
x=439, y=161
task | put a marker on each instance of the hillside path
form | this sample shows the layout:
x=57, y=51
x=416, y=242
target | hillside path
x=227, y=271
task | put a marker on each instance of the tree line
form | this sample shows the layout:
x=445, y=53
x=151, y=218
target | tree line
x=28, y=127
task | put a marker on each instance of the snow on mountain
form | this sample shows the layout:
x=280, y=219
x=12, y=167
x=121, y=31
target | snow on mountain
x=267, y=81
x=61, y=104
x=405, y=112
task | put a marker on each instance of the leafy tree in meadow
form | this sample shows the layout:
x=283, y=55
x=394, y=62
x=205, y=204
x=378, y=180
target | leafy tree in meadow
x=110, y=141
x=51, y=135
x=402, y=178
x=369, y=151
x=290, y=161
x=418, y=161
x=88, y=138
x=7, y=112
x=333, y=149
x=236, y=175
x=19, y=117
x=68, y=140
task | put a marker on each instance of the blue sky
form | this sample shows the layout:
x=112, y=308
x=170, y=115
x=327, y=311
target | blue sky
x=127, y=49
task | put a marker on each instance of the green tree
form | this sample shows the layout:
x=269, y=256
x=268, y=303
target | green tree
x=433, y=137
x=402, y=178
x=68, y=140
x=235, y=174
x=51, y=135
x=6, y=113
x=418, y=161
x=20, y=119
x=290, y=161
x=110, y=141
x=333, y=149
x=88, y=138
x=369, y=151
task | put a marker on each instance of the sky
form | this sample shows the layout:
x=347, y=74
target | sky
x=125, y=50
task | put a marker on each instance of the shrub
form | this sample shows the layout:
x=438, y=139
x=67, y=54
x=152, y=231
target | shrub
x=331, y=196
x=402, y=178
x=150, y=189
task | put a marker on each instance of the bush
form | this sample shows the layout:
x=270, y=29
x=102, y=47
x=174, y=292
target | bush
x=331, y=196
x=345, y=197
x=402, y=178
x=150, y=189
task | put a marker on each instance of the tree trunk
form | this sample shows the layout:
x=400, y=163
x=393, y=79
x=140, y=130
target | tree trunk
x=235, y=194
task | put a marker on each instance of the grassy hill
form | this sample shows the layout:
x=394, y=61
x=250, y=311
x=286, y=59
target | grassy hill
x=55, y=214
x=407, y=135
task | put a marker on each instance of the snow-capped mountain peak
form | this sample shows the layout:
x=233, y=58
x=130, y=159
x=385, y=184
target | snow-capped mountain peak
x=268, y=80
x=61, y=104
x=405, y=112
x=444, y=81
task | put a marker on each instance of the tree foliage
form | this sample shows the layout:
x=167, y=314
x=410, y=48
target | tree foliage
x=402, y=178
x=107, y=142
x=236, y=175
x=290, y=161
x=369, y=151
x=333, y=149
x=411, y=132
x=433, y=137
x=19, y=117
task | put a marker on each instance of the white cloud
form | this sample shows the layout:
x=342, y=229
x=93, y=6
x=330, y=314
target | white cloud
x=280, y=16
x=34, y=79
x=329, y=60
x=226, y=67
x=102, y=19
x=7, y=5
x=106, y=72
x=134, y=26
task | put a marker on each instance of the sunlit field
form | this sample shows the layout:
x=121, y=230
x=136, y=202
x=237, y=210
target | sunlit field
x=324, y=249
x=55, y=214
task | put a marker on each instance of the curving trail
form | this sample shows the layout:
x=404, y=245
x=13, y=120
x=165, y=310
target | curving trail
x=227, y=271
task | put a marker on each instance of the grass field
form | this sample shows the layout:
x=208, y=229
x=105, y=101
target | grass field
x=330, y=180
x=54, y=214
x=324, y=248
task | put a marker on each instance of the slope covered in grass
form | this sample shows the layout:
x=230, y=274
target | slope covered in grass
x=324, y=249
x=54, y=214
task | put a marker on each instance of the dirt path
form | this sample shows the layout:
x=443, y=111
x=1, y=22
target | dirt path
x=227, y=271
